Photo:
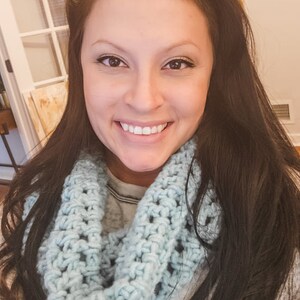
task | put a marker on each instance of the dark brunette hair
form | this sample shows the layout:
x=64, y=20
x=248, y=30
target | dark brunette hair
x=242, y=150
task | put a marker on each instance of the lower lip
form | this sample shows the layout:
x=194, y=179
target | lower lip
x=143, y=138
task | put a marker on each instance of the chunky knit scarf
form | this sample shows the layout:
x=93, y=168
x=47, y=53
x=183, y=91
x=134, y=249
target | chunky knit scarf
x=152, y=259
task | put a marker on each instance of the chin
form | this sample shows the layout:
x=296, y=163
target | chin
x=142, y=166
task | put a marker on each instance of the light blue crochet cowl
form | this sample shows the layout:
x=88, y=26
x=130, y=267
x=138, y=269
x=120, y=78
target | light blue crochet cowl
x=157, y=256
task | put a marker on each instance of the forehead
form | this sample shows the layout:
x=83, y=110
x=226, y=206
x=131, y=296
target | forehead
x=155, y=19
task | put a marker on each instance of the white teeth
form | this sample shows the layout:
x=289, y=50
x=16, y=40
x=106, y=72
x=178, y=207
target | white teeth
x=138, y=130
x=143, y=130
x=154, y=129
x=147, y=130
x=131, y=129
x=125, y=126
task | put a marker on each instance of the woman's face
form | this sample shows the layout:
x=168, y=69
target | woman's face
x=146, y=69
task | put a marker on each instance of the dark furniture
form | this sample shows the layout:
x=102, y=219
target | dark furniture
x=7, y=122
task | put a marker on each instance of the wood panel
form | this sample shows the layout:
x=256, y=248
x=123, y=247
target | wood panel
x=7, y=117
x=46, y=106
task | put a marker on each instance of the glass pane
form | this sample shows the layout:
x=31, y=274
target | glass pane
x=41, y=57
x=57, y=8
x=63, y=37
x=30, y=15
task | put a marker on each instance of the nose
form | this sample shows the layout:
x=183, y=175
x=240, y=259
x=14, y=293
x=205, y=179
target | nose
x=144, y=94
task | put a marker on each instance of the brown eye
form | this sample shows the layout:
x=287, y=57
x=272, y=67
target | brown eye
x=178, y=64
x=114, y=62
x=111, y=61
x=175, y=64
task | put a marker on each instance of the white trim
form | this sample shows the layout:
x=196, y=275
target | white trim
x=21, y=80
x=24, y=124
x=14, y=46
x=50, y=81
x=44, y=31
x=295, y=137
x=56, y=45
x=48, y=13
x=6, y=173
x=59, y=56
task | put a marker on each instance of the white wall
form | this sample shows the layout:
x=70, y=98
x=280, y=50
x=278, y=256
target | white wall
x=276, y=26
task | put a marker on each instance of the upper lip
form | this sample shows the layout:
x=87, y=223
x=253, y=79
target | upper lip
x=143, y=124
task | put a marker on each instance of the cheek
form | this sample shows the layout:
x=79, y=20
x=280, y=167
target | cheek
x=101, y=91
x=96, y=105
x=190, y=100
x=96, y=94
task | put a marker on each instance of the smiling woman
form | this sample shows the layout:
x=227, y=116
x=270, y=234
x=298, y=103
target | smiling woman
x=155, y=77
x=168, y=176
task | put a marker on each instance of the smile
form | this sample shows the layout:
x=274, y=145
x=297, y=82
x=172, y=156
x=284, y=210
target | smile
x=138, y=130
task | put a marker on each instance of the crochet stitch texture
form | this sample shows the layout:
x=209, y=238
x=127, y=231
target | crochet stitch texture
x=152, y=259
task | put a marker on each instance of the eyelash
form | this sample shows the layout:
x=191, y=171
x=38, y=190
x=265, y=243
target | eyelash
x=179, y=60
x=105, y=57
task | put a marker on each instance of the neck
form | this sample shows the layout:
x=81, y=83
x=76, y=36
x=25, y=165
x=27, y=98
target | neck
x=119, y=170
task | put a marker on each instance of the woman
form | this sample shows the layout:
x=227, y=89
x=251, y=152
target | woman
x=168, y=176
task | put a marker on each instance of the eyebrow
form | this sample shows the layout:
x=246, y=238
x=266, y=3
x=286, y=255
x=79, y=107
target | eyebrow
x=109, y=43
x=166, y=49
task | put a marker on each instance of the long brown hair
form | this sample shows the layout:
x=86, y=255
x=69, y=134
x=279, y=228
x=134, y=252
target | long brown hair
x=242, y=150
